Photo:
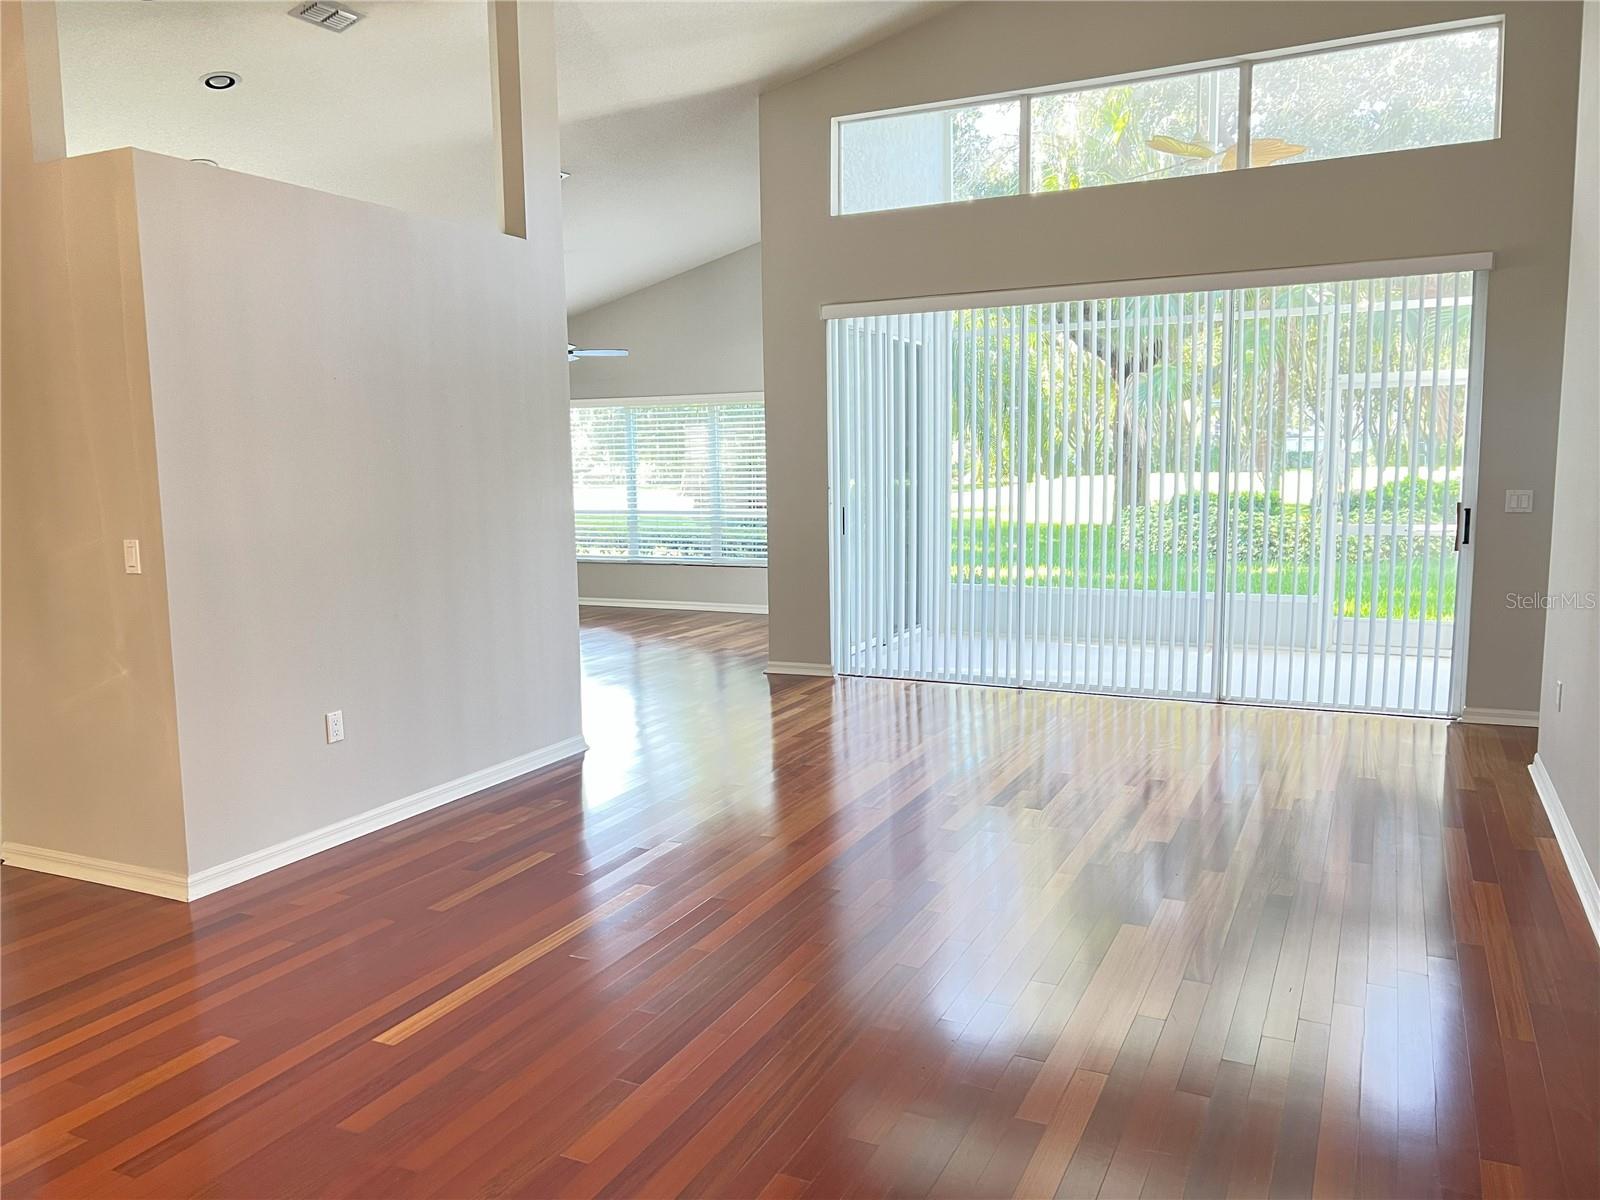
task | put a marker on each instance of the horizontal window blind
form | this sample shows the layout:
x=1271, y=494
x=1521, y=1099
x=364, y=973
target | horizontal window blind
x=670, y=482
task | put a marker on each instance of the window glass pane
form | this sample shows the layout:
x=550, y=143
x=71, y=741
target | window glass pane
x=1429, y=91
x=929, y=157
x=671, y=448
x=1144, y=129
x=600, y=480
x=743, y=443
x=685, y=482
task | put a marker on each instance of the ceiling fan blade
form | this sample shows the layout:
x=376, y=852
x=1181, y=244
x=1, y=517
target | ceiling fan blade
x=574, y=353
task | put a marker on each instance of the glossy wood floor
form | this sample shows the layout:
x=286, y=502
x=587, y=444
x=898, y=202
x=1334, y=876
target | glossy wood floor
x=799, y=937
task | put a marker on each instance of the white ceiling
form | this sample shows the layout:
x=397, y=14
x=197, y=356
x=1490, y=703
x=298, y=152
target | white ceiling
x=658, y=107
x=658, y=123
x=395, y=110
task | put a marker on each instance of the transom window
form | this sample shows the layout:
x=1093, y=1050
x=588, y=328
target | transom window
x=671, y=479
x=1402, y=91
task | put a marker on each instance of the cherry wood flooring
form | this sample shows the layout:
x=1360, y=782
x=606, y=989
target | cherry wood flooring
x=804, y=937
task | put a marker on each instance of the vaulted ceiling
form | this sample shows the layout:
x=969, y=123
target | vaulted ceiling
x=658, y=115
x=658, y=107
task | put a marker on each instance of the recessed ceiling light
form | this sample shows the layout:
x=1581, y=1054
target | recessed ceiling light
x=204, y=162
x=219, y=81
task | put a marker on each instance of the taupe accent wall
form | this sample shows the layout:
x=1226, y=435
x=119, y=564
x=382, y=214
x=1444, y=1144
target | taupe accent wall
x=1512, y=196
x=691, y=334
x=1569, y=736
x=89, y=752
x=698, y=333
x=340, y=433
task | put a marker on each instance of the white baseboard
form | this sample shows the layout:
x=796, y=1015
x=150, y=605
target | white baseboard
x=167, y=884
x=225, y=875
x=1571, y=849
x=259, y=862
x=675, y=605
x=1501, y=716
x=799, y=668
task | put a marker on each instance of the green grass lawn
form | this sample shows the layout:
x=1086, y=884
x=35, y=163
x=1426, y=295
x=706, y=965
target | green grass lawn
x=1092, y=556
x=1157, y=547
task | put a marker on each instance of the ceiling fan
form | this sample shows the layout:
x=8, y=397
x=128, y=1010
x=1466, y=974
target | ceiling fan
x=574, y=353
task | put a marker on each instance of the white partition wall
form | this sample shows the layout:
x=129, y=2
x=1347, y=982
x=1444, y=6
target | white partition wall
x=1245, y=493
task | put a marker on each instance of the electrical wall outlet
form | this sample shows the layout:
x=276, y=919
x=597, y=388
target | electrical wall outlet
x=1519, y=500
x=334, y=724
x=130, y=556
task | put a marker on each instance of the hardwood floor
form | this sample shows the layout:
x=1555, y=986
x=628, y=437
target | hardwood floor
x=804, y=937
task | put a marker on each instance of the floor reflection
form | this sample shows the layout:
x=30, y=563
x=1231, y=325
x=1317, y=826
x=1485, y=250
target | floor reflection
x=812, y=937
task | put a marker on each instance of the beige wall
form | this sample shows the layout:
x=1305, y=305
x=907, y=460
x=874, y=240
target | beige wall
x=340, y=433
x=1511, y=196
x=361, y=424
x=1569, y=737
x=699, y=332
x=687, y=585
x=89, y=750
x=694, y=334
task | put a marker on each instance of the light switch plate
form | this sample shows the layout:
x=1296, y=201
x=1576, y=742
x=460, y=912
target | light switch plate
x=1519, y=500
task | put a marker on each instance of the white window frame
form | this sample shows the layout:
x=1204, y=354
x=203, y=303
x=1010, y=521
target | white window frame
x=1244, y=63
x=709, y=400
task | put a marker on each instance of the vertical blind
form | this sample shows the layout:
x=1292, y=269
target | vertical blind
x=671, y=481
x=1245, y=493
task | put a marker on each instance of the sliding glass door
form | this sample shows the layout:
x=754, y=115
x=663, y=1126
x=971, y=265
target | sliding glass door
x=1348, y=436
x=1245, y=494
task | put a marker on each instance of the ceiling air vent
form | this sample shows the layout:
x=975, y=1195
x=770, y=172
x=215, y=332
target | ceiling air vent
x=328, y=16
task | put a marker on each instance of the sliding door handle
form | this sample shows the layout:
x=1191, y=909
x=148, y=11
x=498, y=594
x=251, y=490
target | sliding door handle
x=1463, y=525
